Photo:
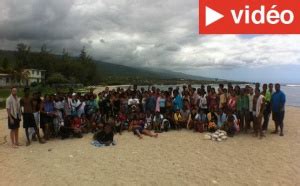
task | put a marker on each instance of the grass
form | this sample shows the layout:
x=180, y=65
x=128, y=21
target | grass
x=4, y=92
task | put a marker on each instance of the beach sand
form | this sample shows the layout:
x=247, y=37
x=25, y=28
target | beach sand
x=98, y=89
x=175, y=158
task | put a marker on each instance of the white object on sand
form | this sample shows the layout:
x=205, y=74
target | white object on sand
x=224, y=137
x=215, y=136
x=207, y=137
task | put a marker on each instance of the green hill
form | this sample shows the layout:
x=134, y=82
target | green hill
x=105, y=73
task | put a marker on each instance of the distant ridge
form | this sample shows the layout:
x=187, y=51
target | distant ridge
x=111, y=74
x=110, y=69
x=172, y=74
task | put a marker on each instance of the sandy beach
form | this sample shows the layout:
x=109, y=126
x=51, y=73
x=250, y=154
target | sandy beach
x=98, y=89
x=175, y=158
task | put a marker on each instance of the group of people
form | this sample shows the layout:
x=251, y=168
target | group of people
x=151, y=111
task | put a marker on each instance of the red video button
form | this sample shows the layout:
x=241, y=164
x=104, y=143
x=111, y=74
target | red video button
x=249, y=17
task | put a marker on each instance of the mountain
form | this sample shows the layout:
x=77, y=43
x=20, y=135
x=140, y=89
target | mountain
x=110, y=69
x=171, y=74
x=120, y=74
x=108, y=73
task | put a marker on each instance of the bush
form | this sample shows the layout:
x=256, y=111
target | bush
x=34, y=84
x=57, y=78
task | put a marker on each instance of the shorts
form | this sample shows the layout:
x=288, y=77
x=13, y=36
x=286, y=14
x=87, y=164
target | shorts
x=140, y=129
x=45, y=119
x=37, y=118
x=278, y=116
x=251, y=116
x=14, y=125
x=28, y=120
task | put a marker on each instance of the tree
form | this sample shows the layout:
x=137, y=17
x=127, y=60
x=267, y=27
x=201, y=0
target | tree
x=22, y=55
x=44, y=49
x=20, y=76
x=59, y=69
x=45, y=60
x=84, y=57
x=65, y=55
x=5, y=64
x=57, y=78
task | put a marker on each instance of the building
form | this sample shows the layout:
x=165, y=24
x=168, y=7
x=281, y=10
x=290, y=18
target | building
x=6, y=80
x=33, y=76
x=29, y=76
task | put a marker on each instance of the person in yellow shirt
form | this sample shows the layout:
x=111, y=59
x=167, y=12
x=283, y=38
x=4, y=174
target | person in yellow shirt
x=178, y=119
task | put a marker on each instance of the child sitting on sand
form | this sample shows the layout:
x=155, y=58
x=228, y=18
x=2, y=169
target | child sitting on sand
x=230, y=126
x=76, y=126
x=85, y=127
x=148, y=121
x=157, y=122
x=178, y=119
x=192, y=122
x=212, y=120
x=137, y=127
x=118, y=125
x=104, y=138
x=186, y=116
x=221, y=118
x=96, y=122
x=202, y=121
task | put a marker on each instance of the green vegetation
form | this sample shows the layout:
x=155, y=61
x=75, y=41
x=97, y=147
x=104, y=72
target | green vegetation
x=59, y=68
x=64, y=69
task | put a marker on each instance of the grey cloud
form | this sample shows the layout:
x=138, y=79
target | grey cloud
x=38, y=20
x=136, y=33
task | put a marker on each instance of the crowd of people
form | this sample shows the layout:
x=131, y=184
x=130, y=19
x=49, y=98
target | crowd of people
x=149, y=112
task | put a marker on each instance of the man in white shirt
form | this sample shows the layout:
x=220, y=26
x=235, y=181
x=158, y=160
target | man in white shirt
x=203, y=102
x=14, y=116
x=260, y=107
x=75, y=103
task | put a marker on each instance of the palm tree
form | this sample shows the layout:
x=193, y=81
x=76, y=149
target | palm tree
x=20, y=76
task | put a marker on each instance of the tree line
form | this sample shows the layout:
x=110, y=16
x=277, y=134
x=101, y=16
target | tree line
x=59, y=68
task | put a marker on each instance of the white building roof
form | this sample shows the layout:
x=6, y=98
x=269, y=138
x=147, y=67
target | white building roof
x=34, y=69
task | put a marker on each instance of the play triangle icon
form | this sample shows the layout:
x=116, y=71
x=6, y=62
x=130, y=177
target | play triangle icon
x=211, y=16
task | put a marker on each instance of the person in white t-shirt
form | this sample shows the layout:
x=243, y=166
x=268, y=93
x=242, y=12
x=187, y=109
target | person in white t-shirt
x=203, y=102
x=251, y=97
x=157, y=122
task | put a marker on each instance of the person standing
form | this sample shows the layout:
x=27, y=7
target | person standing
x=47, y=114
x=14, y=116
x=268, y=94
x=28, y=118
x=37, y=101
x=278, y=108
x=222, y=98
x=259, y=101
x=203, y=102
x=251, y=106
x=243, y=110
x=177, y=102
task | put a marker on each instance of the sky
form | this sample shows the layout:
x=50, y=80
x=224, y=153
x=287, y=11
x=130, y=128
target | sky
x=148, y=33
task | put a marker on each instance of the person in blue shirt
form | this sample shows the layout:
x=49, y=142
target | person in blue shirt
x=277, y=104
x=177, y=102
x=222, y=118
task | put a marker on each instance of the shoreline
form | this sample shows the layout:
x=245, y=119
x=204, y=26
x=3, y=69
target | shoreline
x=101, y=88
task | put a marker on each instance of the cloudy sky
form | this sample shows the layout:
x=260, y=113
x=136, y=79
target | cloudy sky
x=148, y=33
